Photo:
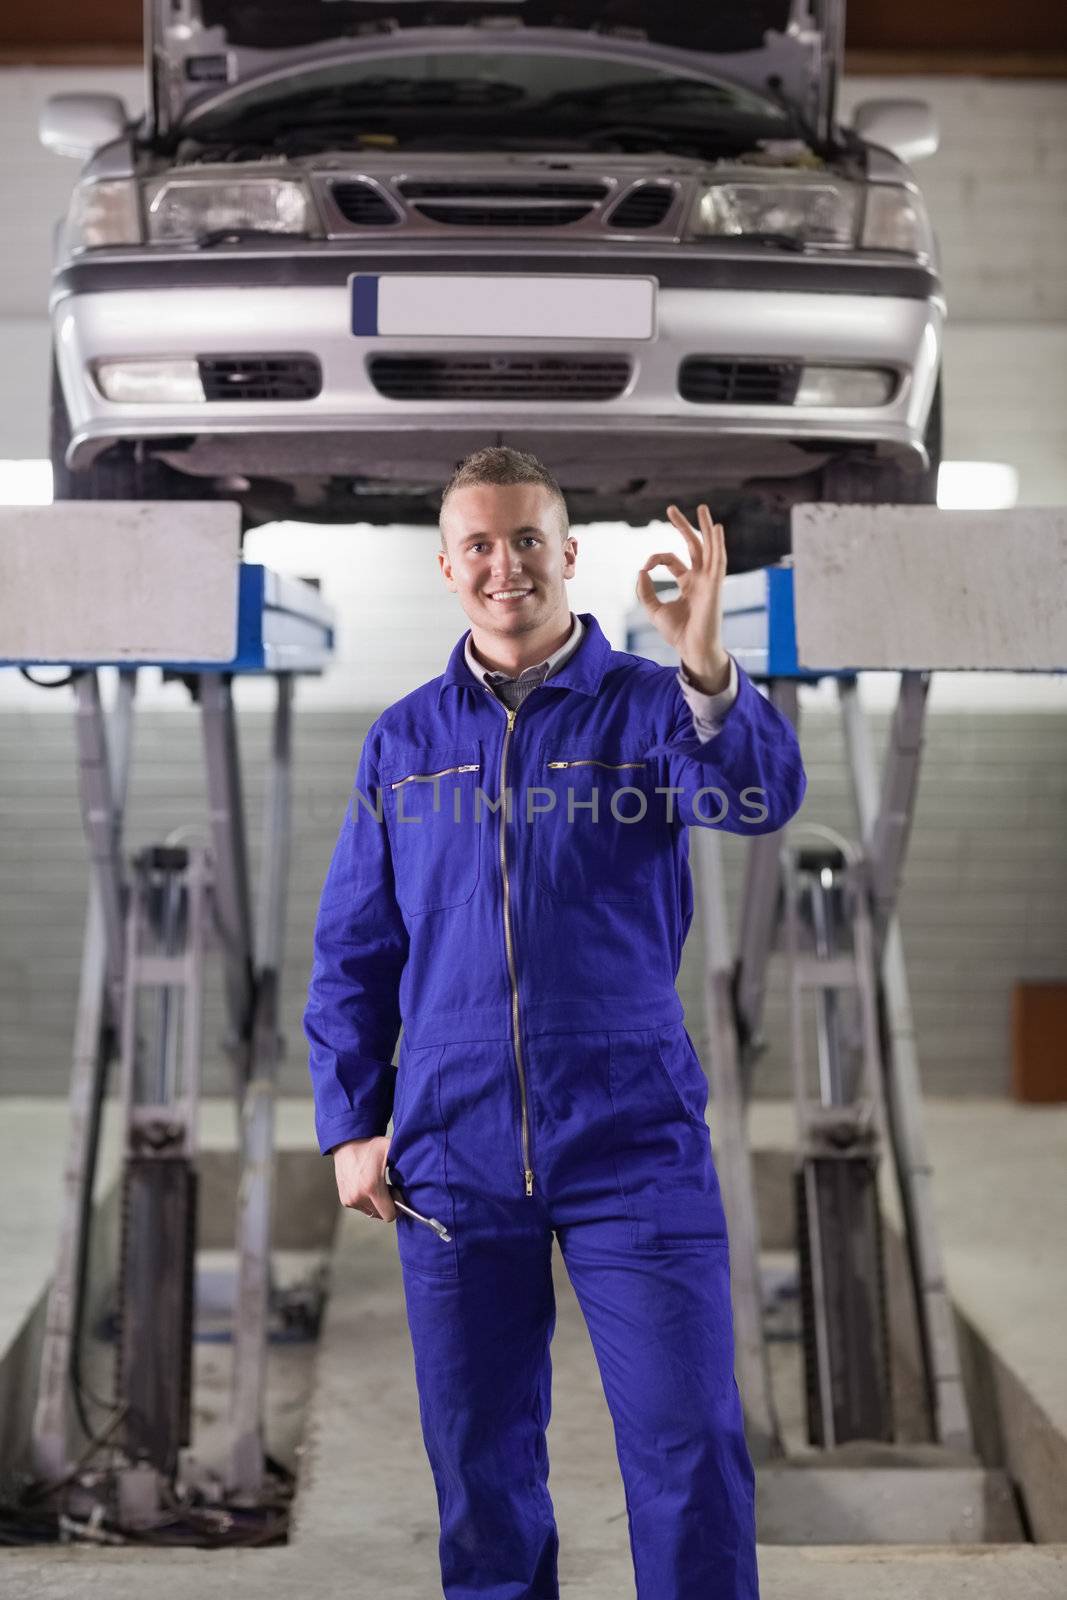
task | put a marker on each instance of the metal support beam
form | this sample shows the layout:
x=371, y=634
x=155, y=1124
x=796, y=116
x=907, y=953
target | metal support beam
x=760, y=915
x=94, y=1044
x=733, y=1156
x=232, y=899
x=891, y=827
x=252, y=1300
x=100, y=820
x=947, y=1399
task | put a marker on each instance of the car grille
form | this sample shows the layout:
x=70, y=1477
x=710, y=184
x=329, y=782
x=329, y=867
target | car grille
x=499, y=377
x=644, y=207
x=486, y=203
x=709, y=380
x=278, y=377
x=363, y=205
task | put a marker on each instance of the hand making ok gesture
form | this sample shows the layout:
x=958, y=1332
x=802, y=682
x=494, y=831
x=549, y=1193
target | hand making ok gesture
x=692, y=624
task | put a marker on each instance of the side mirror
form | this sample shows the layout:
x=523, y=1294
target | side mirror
x=906, y=127
x=78, y=124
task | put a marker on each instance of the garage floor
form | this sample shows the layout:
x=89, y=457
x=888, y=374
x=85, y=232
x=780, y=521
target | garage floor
x=365, y=1519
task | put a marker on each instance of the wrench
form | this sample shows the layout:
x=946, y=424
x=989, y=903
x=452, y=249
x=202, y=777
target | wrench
x=431, y=1222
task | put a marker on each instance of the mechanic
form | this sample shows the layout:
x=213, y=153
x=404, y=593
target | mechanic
x=511, y=884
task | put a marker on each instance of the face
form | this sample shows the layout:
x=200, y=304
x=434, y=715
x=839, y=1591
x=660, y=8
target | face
x=506, y=558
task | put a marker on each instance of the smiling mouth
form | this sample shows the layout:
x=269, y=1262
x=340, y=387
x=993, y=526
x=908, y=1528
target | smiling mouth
x=509, y=596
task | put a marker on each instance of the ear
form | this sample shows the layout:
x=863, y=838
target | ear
x=445, y=568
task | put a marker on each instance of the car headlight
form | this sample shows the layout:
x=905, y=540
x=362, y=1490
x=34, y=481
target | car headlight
x=895, y=219
x=813, y=213
x=185, y=209
x=104, y=213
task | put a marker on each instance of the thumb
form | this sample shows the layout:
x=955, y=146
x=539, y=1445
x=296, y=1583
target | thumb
x=382, y=1199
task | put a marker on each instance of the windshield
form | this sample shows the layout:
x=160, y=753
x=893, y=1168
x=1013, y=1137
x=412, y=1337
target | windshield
x=490, y=101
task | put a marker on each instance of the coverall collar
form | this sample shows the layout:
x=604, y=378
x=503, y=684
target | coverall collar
x=583, y=671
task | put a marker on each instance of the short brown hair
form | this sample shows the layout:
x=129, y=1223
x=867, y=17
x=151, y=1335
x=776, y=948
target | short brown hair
x=499, y=463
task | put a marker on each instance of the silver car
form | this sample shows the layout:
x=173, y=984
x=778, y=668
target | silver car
x=350, y=241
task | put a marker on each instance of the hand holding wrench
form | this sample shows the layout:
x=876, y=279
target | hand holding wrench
x=431, y=1222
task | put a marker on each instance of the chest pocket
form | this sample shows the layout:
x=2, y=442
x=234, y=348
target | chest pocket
x=428, y=800
x=601, y=831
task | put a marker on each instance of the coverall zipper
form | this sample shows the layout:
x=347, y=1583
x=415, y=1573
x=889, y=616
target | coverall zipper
x=508, y=942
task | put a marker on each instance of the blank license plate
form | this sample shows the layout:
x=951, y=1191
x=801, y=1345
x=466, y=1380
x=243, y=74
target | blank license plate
x=502, y=306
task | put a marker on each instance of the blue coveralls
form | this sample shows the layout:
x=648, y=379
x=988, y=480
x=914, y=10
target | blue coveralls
x=547, y=1086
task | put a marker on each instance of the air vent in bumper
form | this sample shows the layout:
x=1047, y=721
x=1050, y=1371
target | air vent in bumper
x=499, y=377
x=274, y=377
x=712, y=380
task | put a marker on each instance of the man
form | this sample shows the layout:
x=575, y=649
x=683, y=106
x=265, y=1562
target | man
x=512, y=884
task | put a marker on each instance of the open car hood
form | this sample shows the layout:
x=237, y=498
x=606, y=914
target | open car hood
x=199, y=49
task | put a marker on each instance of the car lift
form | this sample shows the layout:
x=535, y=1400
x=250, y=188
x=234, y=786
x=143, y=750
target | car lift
x=829, y=905
x=148, y=931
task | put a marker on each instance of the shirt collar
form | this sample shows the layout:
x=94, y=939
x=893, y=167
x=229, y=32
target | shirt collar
x=544, y=668
x=582, y=670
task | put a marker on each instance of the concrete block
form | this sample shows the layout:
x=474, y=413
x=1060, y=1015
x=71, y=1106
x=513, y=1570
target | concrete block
x=892, y=587
x=119, y=580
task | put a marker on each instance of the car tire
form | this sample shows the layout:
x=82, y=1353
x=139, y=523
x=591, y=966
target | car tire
x=758, y=533
x=856, y=482
x=124, y=471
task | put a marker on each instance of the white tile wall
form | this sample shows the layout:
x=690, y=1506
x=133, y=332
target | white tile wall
x=34, y=184
x=995, y=190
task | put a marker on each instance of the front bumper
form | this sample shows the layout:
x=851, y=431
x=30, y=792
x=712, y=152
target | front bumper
x=237, y=303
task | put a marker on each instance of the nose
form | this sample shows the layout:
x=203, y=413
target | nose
x=506, y=563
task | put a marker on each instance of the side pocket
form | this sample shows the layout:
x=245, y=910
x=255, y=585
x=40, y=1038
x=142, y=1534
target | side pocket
x=418, y=1157
x=681, y=1067
x=664, y=1161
